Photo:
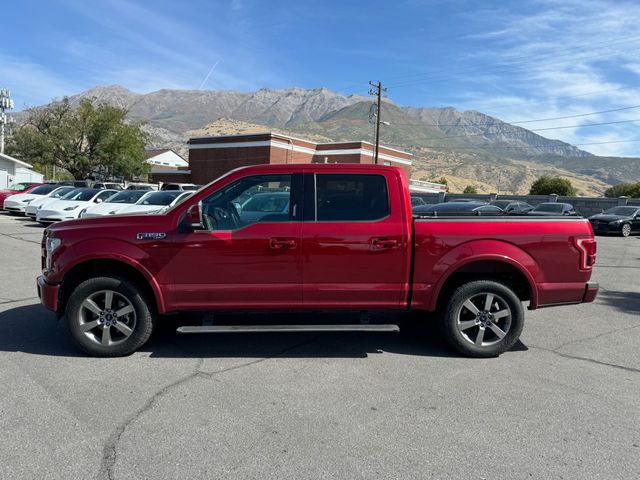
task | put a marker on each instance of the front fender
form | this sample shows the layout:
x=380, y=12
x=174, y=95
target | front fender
x=117, y=250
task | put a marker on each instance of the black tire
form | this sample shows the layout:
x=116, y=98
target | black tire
x=625, y=229
x=141, y=318
x=457, y=315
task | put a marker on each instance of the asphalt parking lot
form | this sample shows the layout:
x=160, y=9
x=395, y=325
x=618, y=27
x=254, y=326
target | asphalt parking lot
x=565, y=403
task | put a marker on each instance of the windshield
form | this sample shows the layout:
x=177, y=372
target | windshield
x=549, y=207
x=61, y=192
x=266, y=203
x=80, y=195
x=501, y=203
x=159, y=198
x=126, y=196
x=43, y=189
x=622, y=211
x=18, y=187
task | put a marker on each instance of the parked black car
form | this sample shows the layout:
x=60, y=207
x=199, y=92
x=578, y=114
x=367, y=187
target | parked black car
x=553, y=208
x=620, y=220
x=513, y=207
x=457, y=209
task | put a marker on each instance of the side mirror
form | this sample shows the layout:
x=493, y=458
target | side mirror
x=98, y=200
x=193, y=218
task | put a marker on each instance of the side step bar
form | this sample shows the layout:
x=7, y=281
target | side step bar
x=288, y=328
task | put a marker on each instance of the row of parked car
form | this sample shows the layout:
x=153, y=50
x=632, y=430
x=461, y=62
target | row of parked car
x=49, y=203
x=622, y=220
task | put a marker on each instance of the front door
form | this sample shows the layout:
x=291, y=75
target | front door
x=354, y=243
x=248, y=254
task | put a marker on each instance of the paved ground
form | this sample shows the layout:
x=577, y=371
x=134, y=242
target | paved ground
x=564, y=404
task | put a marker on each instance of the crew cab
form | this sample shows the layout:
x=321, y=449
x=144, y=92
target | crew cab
x=347, y=241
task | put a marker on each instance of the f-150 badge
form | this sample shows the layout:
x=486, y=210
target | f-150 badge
x=151, y=236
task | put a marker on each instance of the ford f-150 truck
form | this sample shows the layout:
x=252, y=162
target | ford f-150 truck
x=311, y=237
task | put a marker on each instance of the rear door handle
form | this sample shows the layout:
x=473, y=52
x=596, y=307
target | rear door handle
x=282, y=243
x=383, y=243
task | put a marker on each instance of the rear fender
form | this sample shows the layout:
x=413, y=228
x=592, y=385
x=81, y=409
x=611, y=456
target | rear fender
x=485, y=250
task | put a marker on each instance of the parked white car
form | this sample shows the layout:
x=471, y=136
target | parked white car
x=33, y=205
x=154, y=202
x=70, y=206
x=17, y=204
x=114, y=204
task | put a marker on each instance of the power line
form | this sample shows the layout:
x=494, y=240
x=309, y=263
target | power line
x=501, y=147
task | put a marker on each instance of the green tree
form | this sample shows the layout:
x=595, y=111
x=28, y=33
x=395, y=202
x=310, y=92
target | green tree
x=470, y=189
x=443, y=181
x=546, y=185
x=81, y=140
x=623, y=190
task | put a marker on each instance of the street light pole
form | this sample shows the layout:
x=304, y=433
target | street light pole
x=377, y=90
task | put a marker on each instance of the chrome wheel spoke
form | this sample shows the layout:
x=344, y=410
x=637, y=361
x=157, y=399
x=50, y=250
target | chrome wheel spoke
x=471, y=307
x=85, y=327
x=91, y=306
x=497, y=330
x=480, y=336
x=124, y=311
x=501, y=314
x=488, y=301
x=467, y=324
x=106, y=336
x=123, y=329
x=108, y=299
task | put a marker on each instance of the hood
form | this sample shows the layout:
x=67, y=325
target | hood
x=608, y=217
x=140, y=209
x=110, y=224
x=21, y=197
x=60, y=205
x=105, y=208
x=42, y=200
x=545, y=214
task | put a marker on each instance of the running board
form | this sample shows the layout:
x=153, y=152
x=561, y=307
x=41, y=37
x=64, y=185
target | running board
x=288, y=328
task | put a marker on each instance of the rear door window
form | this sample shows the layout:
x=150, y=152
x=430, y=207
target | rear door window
x=351, y=197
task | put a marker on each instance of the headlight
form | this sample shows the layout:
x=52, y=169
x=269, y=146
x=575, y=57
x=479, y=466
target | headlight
x=615, y=222
x=27, y=201
x=113, y=212
x=68, y=209
x=51, y=246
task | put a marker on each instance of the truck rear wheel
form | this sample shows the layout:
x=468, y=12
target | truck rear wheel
x=482, y=319
x=109, y=317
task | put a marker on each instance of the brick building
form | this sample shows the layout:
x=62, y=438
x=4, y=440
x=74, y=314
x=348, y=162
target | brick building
x=211, y=157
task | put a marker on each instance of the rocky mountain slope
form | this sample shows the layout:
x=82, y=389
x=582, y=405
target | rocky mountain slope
x=469, y=146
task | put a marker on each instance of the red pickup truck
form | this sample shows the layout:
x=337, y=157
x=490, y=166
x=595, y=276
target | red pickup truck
x=311, y=237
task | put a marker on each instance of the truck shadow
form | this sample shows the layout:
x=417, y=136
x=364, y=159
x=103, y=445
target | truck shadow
x=627, y=302
x=31, y=329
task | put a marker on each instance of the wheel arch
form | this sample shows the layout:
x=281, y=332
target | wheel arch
x=83, y=270
x=489, y=267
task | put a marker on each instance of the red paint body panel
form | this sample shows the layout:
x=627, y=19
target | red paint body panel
x=7, y=193
x=392, y=263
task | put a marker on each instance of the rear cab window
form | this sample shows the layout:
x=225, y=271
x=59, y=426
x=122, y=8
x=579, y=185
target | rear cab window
x=350, y=198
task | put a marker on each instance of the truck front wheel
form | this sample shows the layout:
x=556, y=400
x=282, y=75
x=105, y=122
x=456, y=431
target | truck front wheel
x=482, y=319
x=109, y=316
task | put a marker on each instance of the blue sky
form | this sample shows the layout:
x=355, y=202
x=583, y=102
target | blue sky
x=515, y=60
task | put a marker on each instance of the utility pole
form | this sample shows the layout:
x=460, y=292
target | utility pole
x=6, y=103
x=377, y=90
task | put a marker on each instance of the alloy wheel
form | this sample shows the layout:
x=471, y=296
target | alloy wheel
x=484, y=319
x=107, y=318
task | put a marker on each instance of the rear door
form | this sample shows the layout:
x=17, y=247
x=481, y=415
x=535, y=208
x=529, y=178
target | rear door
x=354, y=241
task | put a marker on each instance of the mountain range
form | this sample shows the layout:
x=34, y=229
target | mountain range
x=465, y=147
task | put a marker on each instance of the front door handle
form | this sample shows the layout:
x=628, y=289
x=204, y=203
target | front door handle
x=383, y=243
x=282, y=243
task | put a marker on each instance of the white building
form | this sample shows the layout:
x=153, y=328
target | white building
x=14, y=171
x=165, y=158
